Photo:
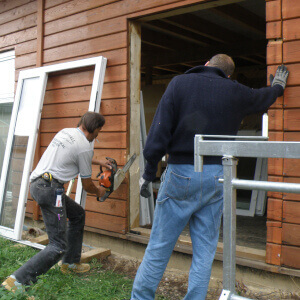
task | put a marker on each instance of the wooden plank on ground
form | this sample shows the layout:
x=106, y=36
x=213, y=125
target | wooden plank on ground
x=43, y=240
x=98, y=253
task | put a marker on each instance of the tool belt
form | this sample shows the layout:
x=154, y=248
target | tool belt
x=48, y=177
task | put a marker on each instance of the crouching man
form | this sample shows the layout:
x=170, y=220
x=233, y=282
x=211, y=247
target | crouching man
x=70, y=153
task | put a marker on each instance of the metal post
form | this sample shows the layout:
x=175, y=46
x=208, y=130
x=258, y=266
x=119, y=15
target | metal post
x=229, y=223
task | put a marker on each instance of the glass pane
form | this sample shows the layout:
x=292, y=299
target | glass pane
x=13, y=183
x=7, y=75
x=5, y=114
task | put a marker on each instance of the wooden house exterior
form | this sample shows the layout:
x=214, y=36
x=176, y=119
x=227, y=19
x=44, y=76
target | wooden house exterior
x=44, y=32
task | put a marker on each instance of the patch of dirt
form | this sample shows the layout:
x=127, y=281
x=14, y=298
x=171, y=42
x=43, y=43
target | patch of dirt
x=174, y=283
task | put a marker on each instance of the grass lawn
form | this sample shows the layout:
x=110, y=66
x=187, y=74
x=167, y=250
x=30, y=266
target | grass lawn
x=96, y=284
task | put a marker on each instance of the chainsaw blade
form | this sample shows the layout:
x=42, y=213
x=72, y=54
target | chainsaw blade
x=120, y=175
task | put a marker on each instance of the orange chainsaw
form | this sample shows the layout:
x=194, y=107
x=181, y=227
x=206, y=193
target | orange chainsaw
x=112, y=178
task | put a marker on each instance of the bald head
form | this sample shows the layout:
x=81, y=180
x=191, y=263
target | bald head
x=223, y=62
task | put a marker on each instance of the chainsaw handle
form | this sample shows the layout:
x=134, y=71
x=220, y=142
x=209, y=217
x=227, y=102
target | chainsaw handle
x=103, y=198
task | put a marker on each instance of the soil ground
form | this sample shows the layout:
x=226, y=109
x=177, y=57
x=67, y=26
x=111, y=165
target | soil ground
x=174, y=283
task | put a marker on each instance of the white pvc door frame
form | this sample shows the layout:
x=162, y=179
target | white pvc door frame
x=40, y=75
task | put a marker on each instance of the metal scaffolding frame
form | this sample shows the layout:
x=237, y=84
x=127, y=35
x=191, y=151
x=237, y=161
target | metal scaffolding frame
x=229, y=150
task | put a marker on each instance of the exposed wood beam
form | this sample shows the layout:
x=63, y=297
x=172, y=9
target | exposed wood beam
x=164, y=41
x=168, y=29
x=188, y=9
x=241, y=17
x=201, y=54
x=204, y=28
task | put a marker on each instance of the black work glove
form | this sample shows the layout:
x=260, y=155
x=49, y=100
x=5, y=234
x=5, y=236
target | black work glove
x=281, y=76
x=144, y=192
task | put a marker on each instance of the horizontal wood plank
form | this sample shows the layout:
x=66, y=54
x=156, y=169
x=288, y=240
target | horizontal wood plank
x=290, y=256
x=290, y=9
x=100, y=44
x=26, y=61
x=275, y=119
x=273, y=31
x=291, y=234
x=274, y=232
x=274, y=52
x=108, y=140
x=109, y=206
x=18, y=24
x=291, y=196
x=273, y=254
x=112, y=123
x=291, y=52
x=8, y=6
x=290, y=29
x=272, y=194
x=291, y=119
x=85, y=32
x=114, y=57
x=291, y=212
x=273, y=11
x=106, y=222
x=18, y=37
x=84, y=78
x=90, y=16
x=291, y=97
x=274, y=212
x=26, y=47
x=73, y=7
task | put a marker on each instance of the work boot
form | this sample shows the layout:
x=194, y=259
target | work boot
x=11, y=284
x=76, y=268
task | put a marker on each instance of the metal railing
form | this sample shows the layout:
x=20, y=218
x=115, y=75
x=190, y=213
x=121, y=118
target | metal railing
x=229, y=150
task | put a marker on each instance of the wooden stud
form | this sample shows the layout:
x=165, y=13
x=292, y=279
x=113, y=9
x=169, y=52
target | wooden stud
x=134, y=127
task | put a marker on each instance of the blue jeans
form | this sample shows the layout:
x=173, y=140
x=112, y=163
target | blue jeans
x=65, y=239
x=184, y=196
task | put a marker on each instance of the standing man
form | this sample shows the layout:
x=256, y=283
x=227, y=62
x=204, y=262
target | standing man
x=70, y=153
x=202, y=101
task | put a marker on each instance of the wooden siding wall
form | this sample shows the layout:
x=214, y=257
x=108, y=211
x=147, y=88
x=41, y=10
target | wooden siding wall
x=283, y=225
x=74, y=30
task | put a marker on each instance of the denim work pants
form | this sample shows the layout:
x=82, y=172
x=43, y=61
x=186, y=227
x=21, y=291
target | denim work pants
x=184, y=196
x=65, y=243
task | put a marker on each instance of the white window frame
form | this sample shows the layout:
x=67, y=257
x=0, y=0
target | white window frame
x=42, y=74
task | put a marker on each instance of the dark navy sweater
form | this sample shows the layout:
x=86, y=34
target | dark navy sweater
x=201, y=101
